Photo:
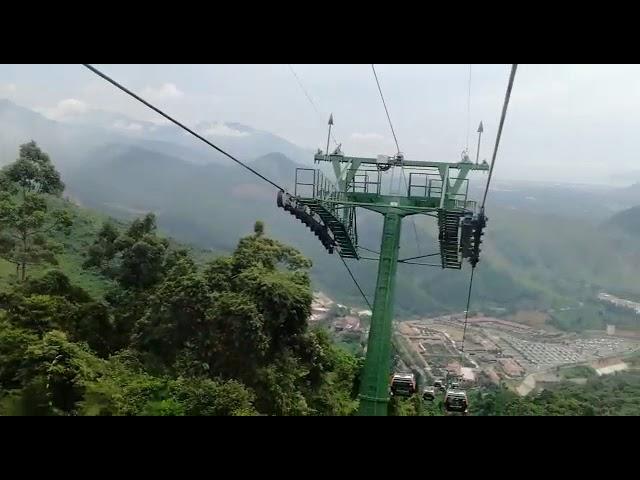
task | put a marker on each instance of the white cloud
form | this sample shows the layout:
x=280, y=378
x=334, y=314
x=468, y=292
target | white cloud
x=131, y=126
x=159, y=122
x=163, y=92
x=218, y=129
x=369, y=144
x=576, y=117
x=367, y=137
x=71, y=106
x=64, y=109
x=8, y=88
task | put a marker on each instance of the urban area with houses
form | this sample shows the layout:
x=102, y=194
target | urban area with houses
x=520, y=356
x=620, y=302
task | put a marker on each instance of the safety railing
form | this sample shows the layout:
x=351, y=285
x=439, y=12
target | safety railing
x=463, y=190
x=430, y=186
x=305, y=186
x=427, y=185
x=312, y=184
x=364, y=181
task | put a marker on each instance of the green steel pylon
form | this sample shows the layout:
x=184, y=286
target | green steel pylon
x=374, y=394
x=329, y=209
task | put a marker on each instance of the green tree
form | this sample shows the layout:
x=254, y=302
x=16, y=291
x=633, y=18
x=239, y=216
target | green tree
x=49, y=376
x=205, y=397
x=103, y=250
x=26, y=223
x=51, y=302
x=34, y=172
x=171, y=338
x=244, y=317
x=135, y=258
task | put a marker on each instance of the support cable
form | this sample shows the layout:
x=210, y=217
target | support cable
x=385, y=107
x=172, y=120
x=356, y=282
x=313, y=104
x=466, y=312
x=469, y=109
x=484, y=199
x=502, y=119
x=393, y=132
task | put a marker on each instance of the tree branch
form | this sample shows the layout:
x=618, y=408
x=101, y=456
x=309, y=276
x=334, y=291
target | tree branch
x=44, y=230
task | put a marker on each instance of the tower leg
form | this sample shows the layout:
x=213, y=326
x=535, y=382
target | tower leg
x=374, y=390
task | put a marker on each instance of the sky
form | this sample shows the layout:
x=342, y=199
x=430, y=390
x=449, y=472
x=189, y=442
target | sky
x=566, y=123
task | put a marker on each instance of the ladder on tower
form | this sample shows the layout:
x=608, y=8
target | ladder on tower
x=344, y=241
x=449, y=226
x=316, y=202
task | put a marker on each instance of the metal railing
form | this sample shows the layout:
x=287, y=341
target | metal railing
x=300, y=183
x=461, y=195
x=469, y=205
x=432, y=187
x=312, y=184
x=364, y=181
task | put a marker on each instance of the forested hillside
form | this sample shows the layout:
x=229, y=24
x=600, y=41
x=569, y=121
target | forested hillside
x=159, y=334
x=545, y=245
x=104, y=317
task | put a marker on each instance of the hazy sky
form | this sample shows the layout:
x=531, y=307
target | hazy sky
x=565, y=122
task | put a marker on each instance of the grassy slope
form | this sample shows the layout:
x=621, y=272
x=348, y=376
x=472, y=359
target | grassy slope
x=86, y=223
x=542, y=261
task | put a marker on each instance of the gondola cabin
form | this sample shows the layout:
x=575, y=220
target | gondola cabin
x=456, y=401
x=438, y=384
x=429, y=394
x=403, y=384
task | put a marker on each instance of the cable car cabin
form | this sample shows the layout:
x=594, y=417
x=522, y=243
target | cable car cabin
x=429, y=394
x=403, y=384
x=456, y=401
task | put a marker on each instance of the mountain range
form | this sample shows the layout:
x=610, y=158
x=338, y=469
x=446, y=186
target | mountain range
x=545, y=245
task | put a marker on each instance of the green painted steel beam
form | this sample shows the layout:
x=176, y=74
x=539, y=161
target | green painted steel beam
x=337, y=204
x=374, y=387
x=319, y=157
x=407, y=207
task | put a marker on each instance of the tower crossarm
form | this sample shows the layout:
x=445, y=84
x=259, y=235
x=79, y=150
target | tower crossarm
x=393, y=161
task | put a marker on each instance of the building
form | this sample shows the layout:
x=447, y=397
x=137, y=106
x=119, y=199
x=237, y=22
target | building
x=511, y=367
x=467, y=374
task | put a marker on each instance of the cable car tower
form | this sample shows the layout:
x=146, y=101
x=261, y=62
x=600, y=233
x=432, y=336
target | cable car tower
x=328, y=208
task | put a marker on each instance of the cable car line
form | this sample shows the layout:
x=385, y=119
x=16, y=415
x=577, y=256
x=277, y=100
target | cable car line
x=493, y=161
x=200, y=137
x=315, y=107
x=356, y=282
x=173, y=120
x=415, y=231
x=420, y=256
x=338, y=145
x=502, y=118
x=311, y=101
x=469, y=109
x=439, y=265
x=457, y=398
x=368, y=249
x=393, y=132
x=385, y=107
x=466, y=312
